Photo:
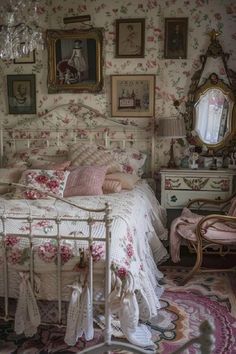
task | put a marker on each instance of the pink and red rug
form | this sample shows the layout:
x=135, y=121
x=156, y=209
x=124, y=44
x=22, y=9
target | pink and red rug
x=209, y=296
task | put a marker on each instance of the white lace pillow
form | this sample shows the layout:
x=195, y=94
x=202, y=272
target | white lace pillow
x=46, y=181
x=92, y=155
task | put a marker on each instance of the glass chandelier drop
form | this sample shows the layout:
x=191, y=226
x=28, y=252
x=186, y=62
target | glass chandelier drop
x=19, y=29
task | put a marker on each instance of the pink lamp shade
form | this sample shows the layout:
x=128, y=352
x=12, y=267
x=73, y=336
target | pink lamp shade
x=172, y=127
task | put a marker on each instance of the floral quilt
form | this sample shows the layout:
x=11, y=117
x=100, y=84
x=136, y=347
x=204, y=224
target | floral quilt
x=137, y=227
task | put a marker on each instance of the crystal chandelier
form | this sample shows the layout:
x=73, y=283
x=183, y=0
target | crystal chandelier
x=19, y=30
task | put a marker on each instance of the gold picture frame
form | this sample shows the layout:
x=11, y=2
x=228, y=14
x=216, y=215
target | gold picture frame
x=75, y=60
x=132, y=95
x=176, y=37
x=130, y=38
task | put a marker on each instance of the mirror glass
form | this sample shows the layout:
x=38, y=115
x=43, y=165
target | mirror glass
x=212, y=114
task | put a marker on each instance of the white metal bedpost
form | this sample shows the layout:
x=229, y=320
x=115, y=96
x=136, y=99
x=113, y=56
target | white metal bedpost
x=108, y=221
x=59, y=290
x=5, y=270
x=1, y=145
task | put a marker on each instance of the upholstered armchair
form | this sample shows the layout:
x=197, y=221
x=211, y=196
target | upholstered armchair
x=212, y=233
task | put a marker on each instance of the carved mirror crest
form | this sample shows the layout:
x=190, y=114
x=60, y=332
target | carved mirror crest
x=211, y=106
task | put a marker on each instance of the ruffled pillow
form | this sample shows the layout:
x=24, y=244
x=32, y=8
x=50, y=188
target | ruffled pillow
x=110, y=186
x=85, y=180
x=82, y=154
x=46, y=181
x=127, y=181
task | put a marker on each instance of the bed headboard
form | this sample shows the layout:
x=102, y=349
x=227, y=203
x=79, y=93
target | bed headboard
x=70, y=123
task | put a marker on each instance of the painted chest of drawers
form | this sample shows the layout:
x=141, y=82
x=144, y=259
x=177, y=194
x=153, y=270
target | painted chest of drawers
x=179, y=186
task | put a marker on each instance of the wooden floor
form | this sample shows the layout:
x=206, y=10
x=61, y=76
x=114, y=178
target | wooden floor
x=209, y=261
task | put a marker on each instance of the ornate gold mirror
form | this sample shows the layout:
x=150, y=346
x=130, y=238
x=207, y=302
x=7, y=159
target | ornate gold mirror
x=211, y=107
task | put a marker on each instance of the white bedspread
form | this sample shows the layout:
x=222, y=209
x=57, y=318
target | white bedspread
x=136, y=247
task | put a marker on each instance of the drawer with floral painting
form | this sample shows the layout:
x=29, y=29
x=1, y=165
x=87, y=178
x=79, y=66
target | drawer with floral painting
x=180, y=186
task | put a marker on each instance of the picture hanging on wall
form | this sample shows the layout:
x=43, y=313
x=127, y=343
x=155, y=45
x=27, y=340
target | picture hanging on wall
x=75, y=60
x=132, y=95
x=130, y=38
x=21, y=94
x=176, y=34
x=26, y=59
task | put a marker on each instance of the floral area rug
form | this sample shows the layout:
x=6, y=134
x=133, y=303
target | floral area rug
x=209, y=296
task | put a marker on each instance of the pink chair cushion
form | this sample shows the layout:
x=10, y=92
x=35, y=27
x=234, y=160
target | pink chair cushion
x=232, y=209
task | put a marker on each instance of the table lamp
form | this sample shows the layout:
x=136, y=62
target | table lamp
x=172, y=127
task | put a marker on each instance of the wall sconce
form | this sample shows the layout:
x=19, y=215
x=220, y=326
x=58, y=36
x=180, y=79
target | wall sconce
x=174, y=128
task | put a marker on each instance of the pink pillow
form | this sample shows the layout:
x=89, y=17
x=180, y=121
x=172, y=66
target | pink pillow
x=110, y=186
x=85, y=180
x=47, y=181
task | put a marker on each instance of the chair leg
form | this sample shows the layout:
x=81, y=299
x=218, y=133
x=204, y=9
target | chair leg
x=197, y=264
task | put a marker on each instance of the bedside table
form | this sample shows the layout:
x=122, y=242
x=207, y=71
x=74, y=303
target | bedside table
x=179, y=186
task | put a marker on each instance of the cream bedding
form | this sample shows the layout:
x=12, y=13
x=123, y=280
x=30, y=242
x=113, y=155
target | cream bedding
x=137, y=231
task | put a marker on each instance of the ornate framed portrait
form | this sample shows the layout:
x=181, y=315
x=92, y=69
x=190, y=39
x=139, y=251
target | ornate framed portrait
x=21, y=94
x=130, y=38
x=176, y=38
x=75, y=60
x=132, y=95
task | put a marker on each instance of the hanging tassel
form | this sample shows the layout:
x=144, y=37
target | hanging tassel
x=73, y=314
x=27, y=317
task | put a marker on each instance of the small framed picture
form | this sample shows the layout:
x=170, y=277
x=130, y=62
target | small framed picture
x=176, y=35
x=130, y=38
x=26, y=59
x=132, y=95
x=21, y=94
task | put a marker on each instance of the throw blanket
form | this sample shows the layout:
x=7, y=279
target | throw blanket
x=185, y=226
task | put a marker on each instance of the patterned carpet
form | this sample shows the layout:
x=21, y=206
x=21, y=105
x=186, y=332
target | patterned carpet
x=208, y=296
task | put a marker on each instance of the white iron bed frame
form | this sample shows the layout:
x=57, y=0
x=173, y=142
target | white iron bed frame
x=205, y=338
x=108, y=133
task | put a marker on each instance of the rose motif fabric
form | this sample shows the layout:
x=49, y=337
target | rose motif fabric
x=44, y=181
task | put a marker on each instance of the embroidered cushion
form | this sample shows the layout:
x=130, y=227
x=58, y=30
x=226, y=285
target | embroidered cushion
x=85, y=180
x=90, y=155
x=46, y=181
x=9, y=175
x=127, y=181
x=110, y=186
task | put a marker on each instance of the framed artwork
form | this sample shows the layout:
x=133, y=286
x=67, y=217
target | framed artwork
x=132, y=95
x=21, y=94
x=130, y=38
x=75, y=60
x=176, y=35
x=26, y=59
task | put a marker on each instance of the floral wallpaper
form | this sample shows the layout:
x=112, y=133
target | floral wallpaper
x=172, y=76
